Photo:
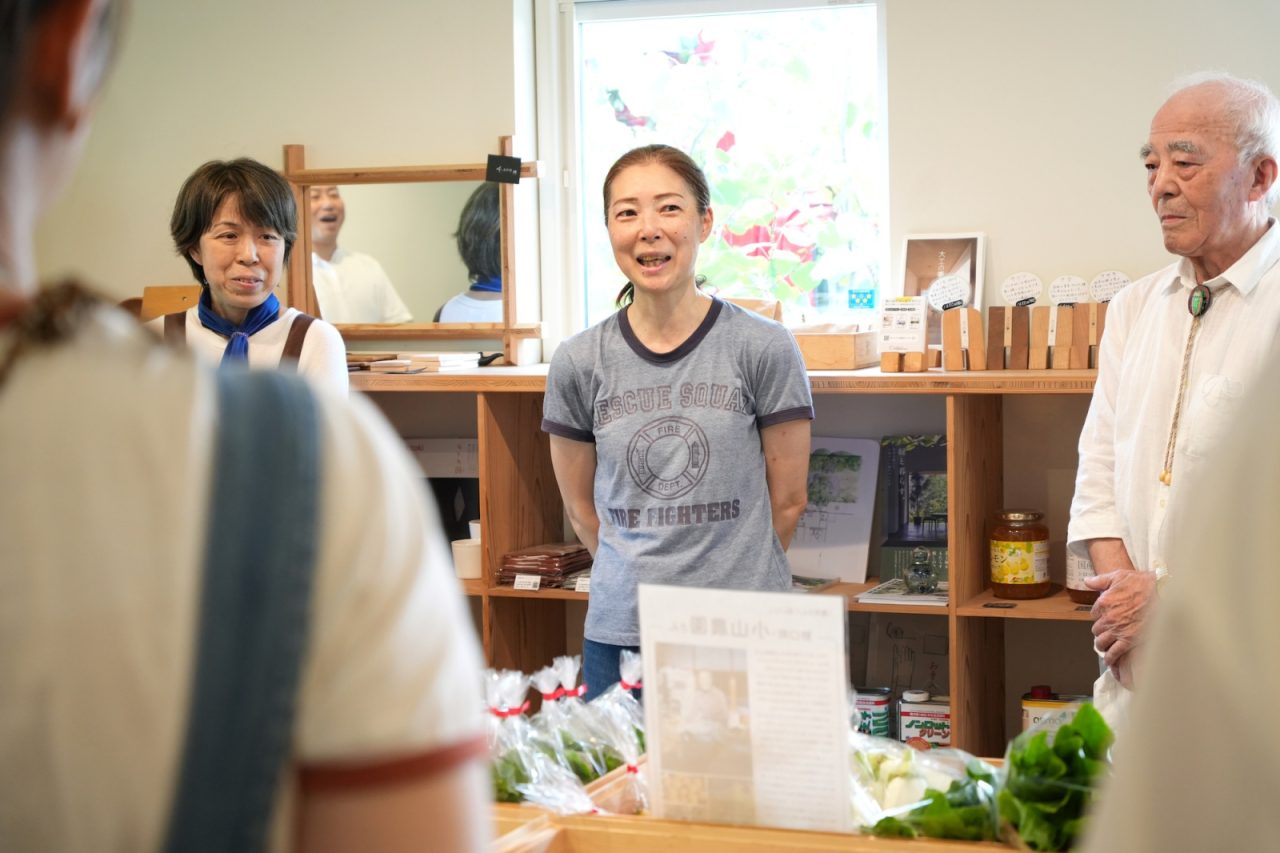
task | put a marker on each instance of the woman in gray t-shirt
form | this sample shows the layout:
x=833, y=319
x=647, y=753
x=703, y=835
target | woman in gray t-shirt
x=679, y=425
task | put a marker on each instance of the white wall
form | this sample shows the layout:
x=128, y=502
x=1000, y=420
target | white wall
x=1023, y=120
x=394, y=82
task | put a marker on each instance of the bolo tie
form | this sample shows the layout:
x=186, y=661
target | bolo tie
x=1197, y=305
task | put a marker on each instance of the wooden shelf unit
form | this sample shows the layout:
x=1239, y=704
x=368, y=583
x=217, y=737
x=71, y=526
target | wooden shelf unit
x=517, y=485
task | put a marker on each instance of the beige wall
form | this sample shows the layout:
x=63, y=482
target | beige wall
x=360, y=84
x=1023, y=120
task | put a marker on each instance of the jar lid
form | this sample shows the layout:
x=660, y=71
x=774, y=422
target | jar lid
x=1020, y=515
x=1041, y=691
x=915, y=696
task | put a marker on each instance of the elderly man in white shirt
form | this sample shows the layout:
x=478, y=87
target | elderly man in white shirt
x=1181, y=346
x=351, y=287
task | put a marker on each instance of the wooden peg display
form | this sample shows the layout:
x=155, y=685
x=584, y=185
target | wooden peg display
x=1097, y=321
x=1060, y=352
x=998, y=333
x=963, y=343
x=1038, y=351
x=1080, y=327
x=1020, y=337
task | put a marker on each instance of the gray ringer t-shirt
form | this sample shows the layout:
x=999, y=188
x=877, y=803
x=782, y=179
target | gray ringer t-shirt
x=680, y=477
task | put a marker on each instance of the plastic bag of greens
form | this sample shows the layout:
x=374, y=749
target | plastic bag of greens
x=622, y=695
x=1048, y=781
x=508, y=732
x=620, y=732
x=900, y=792
x=567, y=724
x=553, y=786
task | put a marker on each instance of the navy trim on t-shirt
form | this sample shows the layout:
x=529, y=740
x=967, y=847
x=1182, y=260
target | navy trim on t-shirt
x=690, y=344
x=568, y=432
x=794, y=414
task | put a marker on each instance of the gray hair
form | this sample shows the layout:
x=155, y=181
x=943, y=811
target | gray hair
x=1254, y=111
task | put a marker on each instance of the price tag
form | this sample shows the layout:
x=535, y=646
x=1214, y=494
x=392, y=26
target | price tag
x=1068, y=290
x=999, y=605
x=582, y=585
x=903, y=324
x=949, y=291
x=1021, y=289
x=505, y=170
x=1106, y=285
x=1084, y=608
x=529, y=582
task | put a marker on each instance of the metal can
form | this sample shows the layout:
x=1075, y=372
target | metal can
x=1048, y=711
x=875, y=711
x=924, y=721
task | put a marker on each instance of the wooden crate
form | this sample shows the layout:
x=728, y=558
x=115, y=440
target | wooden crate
x=838, y=351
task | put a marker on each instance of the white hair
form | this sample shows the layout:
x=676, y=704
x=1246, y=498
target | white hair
x=1252, y=108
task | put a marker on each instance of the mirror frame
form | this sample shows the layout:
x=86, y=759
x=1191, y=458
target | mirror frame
x=520, y=341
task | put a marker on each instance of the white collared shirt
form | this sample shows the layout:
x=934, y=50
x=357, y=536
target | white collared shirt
x=1122, y=446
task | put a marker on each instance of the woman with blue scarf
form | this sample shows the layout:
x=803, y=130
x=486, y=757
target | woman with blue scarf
x=235, y=223
x=480, y=245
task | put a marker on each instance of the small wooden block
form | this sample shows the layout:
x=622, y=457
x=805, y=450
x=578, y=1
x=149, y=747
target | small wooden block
x=977, y=340
x=916, y=362
x=1038, y=354
x=997, y=347
x=1060, y=357
x=1019, y=337
x=934, y=357
x=952, y=351
x=890, y=362
x=1080, y=324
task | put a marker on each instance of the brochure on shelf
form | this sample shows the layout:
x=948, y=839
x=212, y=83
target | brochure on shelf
x=746, y=707
x=834, y=533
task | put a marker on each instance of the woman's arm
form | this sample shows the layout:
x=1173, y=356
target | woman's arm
x=786, y=466
x=575, y=466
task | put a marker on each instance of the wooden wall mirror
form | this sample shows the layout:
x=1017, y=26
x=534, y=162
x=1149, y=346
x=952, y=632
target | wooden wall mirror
x=405, y=217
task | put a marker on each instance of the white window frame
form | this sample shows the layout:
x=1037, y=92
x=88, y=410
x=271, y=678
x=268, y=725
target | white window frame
x=558, y=121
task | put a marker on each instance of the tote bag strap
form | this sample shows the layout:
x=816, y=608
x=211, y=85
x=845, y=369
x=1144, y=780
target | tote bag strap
x=253, y=612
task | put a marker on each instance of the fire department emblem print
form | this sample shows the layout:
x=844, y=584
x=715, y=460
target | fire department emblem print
x=668, y=457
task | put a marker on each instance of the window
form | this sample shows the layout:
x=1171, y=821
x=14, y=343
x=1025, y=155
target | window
x=780, y=106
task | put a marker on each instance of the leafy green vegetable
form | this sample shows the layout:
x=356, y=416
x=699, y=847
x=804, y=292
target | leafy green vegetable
x=1048, y=786
x=508, y=772
x=964, y=812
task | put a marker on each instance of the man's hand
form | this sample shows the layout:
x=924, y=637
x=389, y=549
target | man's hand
x=1119, y=615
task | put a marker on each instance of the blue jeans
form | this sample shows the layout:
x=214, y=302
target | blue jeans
x=600, y=669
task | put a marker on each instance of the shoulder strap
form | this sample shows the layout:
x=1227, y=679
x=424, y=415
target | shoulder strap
x=175, y=328
x=293, y=343
x=253, y=611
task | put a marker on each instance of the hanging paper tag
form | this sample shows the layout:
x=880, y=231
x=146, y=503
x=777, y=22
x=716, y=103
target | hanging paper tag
x=949, y=291
x=1068, y=290
x=1022, y=289
x=1106, y=285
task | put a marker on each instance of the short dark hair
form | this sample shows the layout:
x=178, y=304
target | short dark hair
x=19, y=17
x=675, y=160
x=479, y=233
x=265, y=200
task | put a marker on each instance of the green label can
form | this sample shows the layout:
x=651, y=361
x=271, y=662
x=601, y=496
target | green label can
x=875, y=711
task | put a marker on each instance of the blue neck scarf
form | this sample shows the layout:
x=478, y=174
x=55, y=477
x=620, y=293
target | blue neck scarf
x=238, y=336
x=488, y=285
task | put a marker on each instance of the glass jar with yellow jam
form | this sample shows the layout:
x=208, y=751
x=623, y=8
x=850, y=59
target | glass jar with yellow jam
x=1020, y=555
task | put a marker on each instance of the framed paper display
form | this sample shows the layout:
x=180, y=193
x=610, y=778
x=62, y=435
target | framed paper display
x=834, y=533
x=947, y=269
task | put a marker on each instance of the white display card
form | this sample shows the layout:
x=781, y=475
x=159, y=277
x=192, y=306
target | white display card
x=1068, y=290
x=746, y=707
x=949, y=291
x=528, y=582
x=1021, y=289
x=1106, y=285
x=904, y=324
x=446, y=457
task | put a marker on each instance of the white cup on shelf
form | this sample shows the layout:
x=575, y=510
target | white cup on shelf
x=466, y=558
x=475, y=528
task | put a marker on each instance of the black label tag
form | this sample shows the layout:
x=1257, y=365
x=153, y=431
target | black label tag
x=1084, y=608
x=954, y=304
x=503, y=170
x=999, y=605
x=1066, y=304
x=1023, y=303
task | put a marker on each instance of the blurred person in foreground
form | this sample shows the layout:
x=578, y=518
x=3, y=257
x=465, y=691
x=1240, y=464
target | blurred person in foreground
x=1180, y=346
x=116, y=733
x=1201, y=760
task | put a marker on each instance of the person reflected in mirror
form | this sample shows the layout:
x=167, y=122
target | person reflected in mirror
x=683, y=417
x=351, y=287
x=235, y=223
x=119, y=527
x=479, y=239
